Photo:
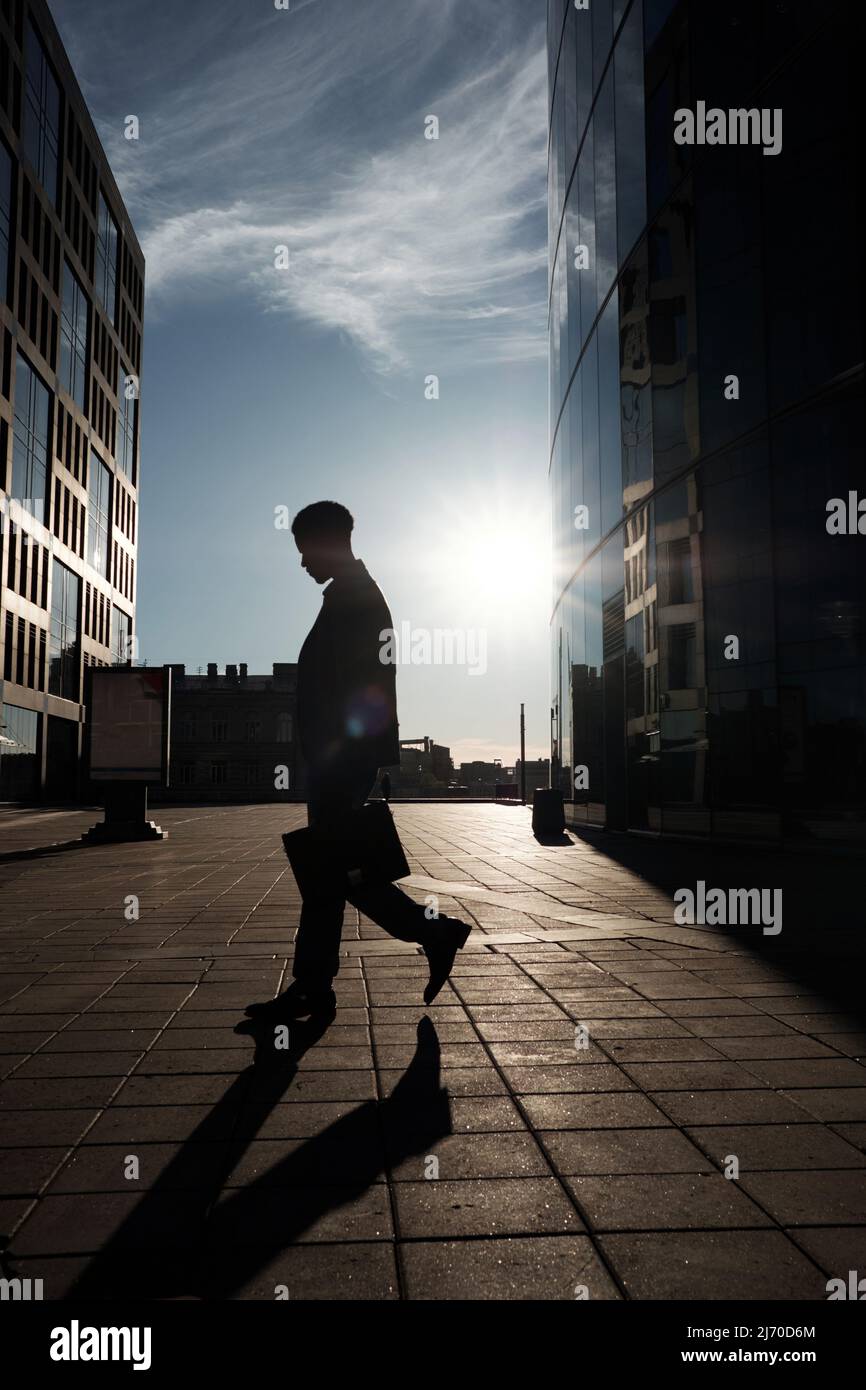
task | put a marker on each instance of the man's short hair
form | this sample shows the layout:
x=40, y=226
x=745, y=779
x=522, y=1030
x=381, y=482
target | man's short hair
x=322, y=521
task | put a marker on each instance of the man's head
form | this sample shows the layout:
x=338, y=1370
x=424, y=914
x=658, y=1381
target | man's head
x=323, y=535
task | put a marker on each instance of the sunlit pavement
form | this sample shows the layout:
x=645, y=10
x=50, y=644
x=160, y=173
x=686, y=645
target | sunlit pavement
x=705, y=1141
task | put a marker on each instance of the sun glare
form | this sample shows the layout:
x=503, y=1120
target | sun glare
x=494, y=563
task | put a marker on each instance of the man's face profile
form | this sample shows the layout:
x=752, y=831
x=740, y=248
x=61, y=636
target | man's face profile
x=318, y=556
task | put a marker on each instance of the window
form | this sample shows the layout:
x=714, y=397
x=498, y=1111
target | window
x=682, y=657
x=185, y=774
x=73, y=338
x=121, y=647
x=284, y=728
x=253, y=730
x=30, y=440
x=63, y=648
x=126, y=430
x=105, y=275
x=41, y=114
x=98, y=515
x=680, y=576
x=219, y=731
x=5, y=216
x=19, y=767
x=218, y=773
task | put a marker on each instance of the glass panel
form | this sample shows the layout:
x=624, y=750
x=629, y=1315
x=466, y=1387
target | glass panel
x=5, y=216
x=98, y=515
x=41, y=133
x=30, y=440
x=63, y=651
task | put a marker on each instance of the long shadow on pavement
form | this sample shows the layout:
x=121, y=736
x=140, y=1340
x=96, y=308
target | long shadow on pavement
x=210, y=1242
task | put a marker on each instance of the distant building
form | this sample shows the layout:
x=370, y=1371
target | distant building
x=233, y=736
x=537, y=774
x=482, y=778
x=424, y=765
x=71, y=305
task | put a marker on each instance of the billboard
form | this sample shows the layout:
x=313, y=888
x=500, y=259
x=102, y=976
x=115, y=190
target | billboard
x=128, y=712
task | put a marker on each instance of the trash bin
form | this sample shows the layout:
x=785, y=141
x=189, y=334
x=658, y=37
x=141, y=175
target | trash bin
x=548, y=815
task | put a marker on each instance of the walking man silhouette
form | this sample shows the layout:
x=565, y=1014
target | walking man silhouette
x=347, y=727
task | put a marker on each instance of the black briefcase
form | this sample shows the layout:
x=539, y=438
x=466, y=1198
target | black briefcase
x=363, y=849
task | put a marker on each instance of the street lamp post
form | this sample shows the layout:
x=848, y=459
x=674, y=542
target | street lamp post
x=522, y=758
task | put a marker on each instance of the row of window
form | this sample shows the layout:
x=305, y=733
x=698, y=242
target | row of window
x=24, y=649
x=30, y=465
x=219, y=731
x=220, y=774
x=41, y=142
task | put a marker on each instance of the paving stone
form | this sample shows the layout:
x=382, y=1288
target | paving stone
x=331, y=1161
x=332, y=1273
x=541, y=1268
x=854, y=1133
x=821, y=1197
x=78, y=1064
x=593, y=1076
x=664, y=1202
x=169, y=1167
x=764, y=1266
x=837, y=1071
x=687, y=1076
x=499, y=1206
x=57, y=1094
x=476, y=1156
x=76, y=1223
x=661, y=1050
x=833, y=1106
x=154, y=1124
x=25, y=1171
x=777, y=1146
x=731, y=1107
x=626, y=1151
x=617, y=1110
x=769, y=1048
x=283, y=1216
x=457, y=1081
x=837, y=1249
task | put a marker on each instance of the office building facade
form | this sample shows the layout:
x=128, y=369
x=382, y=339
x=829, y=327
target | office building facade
x=706, y=372
x=71, y=305
x=232, y=736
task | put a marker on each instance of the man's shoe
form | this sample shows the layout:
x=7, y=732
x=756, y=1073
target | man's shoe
x=450, y=937
x=296, y=1002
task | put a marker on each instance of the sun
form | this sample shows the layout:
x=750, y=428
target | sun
x=494, y=561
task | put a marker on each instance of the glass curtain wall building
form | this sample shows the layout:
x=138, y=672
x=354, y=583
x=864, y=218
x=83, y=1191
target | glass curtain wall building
x=71, y=299
x=706, y=369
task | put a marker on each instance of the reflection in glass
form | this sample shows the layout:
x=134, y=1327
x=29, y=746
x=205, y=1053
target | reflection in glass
x=63, y=666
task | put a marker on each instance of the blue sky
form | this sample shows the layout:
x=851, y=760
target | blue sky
x=407, y=257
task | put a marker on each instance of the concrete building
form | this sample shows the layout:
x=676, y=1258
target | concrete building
x=424, y=766
x=233, y=736
x=71, y=303
x=537, y=774
x=706, y=374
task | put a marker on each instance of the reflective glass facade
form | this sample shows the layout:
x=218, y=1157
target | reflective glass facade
x=705, y=379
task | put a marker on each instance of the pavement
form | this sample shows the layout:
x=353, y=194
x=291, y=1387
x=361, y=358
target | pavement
x=601, y=1103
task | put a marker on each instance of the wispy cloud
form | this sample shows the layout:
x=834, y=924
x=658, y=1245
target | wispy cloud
x=306, y=129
